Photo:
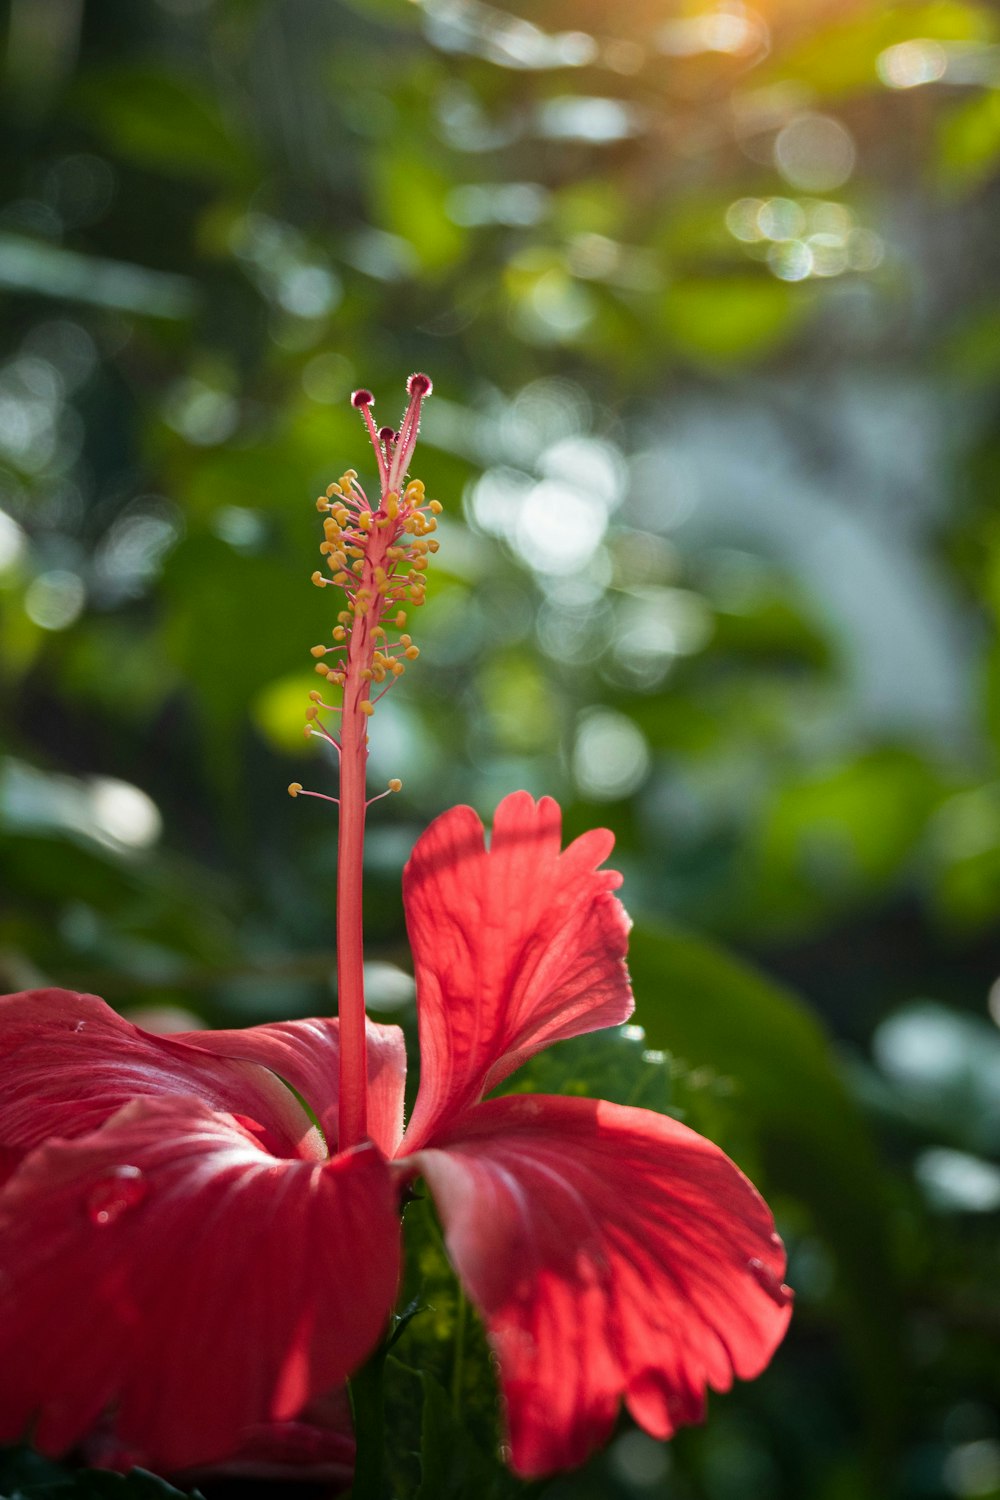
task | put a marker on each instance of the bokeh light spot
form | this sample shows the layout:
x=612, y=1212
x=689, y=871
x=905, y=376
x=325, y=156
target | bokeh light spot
x=815, y=153
x=910, y=64
x=12, y=542
x=790, y=260
x=610, y=758
x=124, y=812
x=54, y=600
x=953, y=1180
x=743, y=220
x=559, y=528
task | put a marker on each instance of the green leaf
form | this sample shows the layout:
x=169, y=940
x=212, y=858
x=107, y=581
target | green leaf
x=830, y=838
x=164, y=122
x=731, y=318
x=968, y=143
x=452, y=1465
x=616, y=1064
x=839, y=59
x=37, y=1478
x=409, y=193
x=711, y=1009
x=220, y=632
x=449, y=1469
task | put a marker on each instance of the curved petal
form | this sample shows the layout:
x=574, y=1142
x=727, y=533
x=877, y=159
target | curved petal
x=168, y=1267
x=68, y=1062
x=307, y=1055
x=513, y=949
x=612, y=1253
x=316, y=1447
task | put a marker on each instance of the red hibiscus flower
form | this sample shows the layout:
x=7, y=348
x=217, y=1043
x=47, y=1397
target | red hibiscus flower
x=182, y=1249
x=187, y=1262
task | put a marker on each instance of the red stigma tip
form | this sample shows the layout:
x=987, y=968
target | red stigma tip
x=362, y=398
x=419, y=385
x=387, y=434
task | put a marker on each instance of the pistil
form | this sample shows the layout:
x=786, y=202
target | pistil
x=377, y=555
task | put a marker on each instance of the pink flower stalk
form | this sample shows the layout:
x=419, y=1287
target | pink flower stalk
x=187, y=1261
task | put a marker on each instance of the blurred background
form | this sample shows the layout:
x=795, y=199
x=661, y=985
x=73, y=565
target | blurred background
x=711, y=298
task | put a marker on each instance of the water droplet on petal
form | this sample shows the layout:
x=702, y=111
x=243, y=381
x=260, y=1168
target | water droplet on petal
x=119, y=1189
x=765, y=1278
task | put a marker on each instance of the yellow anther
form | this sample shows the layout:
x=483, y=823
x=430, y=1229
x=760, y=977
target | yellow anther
x=433, y=545
x=400, y=619
x=435, y=506
x=366, y=706
x=318, y=579
x=321, y=503
x=395, y=785
x=420, y=563
x=339, y=633
x=344, y=617
x=365, y=520
x=367, y=674
x=398, y=669
x=359, y=566
x=294, y=788
x=392, y=505
x=337, y=677
x=332, y=489
x=341, y=577
x=322, y=668
x=316, y=697
x=405, y=640
x=412, y=652
x=355, y=551
x=312, y=713
x=317, y=650
x=415, y=487
x=430, y=525
x=381, y=578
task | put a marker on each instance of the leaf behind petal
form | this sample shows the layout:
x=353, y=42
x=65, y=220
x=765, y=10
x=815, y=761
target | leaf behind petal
x=709, y=1008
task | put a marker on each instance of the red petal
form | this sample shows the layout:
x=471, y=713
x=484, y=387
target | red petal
x=612, y=1253
x=68, y=1062
x=513, y=949
x=316, y=1447
x=307, y=1055
x=167, y=1266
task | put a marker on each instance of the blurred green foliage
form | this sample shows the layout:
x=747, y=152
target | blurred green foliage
x=710, y=295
